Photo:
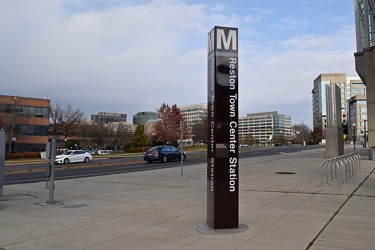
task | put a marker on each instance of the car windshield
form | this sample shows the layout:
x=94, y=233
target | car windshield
x=67, y=152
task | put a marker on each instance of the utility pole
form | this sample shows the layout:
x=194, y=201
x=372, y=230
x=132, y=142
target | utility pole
x=303, y=133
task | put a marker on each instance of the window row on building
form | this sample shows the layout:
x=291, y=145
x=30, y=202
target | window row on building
x=25, y=111
x=263, y=127
x=25, y=121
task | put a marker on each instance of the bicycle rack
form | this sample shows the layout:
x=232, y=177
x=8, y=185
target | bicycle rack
x=348, y=164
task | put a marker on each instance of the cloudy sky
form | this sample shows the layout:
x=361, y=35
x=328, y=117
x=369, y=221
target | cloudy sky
x=129, y=56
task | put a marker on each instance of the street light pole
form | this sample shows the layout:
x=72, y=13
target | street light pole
x=303, y=133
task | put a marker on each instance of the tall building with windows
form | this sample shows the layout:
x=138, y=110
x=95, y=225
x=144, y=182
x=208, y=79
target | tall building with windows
x=25, y=121
x=106, y=117
x=349, y=86
x=192, y=114
x=265, y=127
x=357, y=119
x=142, y=117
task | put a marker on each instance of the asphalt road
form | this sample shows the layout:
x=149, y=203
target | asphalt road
x=35, y=172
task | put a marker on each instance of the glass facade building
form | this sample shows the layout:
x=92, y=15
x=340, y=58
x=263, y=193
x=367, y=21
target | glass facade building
x=107, y=117
x=142, y=117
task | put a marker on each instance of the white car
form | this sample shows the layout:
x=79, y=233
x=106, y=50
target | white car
x=73, y=156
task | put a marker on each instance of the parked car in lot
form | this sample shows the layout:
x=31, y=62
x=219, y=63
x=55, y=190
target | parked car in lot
x=62, y=150
x=105, y=152
x=92, y=151
x=73, y=156
x=163, y=154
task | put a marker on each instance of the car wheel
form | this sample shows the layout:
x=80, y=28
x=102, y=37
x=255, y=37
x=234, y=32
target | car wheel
x=165, y=159
x=86, y=160
x=149, y=161
x=66, y=161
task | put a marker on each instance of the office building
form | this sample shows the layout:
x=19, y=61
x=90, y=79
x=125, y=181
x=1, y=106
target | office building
x=26, y=122
x=262, y=126
x=115, y=126
x=142, y=117
x=265, y=127
x=357, y=119
x=349, y=86
x=106, y=117
x=193, y=114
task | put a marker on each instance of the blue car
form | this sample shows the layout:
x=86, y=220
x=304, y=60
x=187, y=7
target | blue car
x=163, y=154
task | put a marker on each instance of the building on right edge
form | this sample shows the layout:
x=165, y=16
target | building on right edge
x=357, y=119
x=350, y=87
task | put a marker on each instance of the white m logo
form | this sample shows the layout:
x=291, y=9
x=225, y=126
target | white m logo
x=226, y=41
x=222, y=40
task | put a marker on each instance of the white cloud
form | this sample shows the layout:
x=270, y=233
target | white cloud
x=128, y=57
x=131, y=54
x=291, y=23
x=281, y=77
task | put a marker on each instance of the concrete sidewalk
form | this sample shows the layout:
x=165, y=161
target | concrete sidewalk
x=161, y=209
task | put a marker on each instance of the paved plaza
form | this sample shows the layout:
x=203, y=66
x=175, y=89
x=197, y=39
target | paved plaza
x=281, y=202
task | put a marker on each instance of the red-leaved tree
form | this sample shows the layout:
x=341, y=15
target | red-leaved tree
x=167, y=129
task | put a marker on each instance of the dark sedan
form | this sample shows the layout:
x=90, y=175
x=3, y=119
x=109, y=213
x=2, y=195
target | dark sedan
x=163, y=154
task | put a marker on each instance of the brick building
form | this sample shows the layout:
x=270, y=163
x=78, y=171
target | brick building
x=25, y=121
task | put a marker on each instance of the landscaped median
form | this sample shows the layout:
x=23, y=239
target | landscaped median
x=18, y=161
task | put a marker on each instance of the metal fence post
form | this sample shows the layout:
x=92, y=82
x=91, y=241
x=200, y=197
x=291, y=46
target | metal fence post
x=2, y=161
x=52, y=173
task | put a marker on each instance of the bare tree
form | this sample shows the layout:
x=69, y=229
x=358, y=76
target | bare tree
x=123, y=135
x=65, y=120
x=56, y=116
x=101, y=136
x=11, y=113
x=199, y=131
x=86, y=134
x=119, y=134
x=302, y=132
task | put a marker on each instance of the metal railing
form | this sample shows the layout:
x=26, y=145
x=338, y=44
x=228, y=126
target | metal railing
x=348, y=164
